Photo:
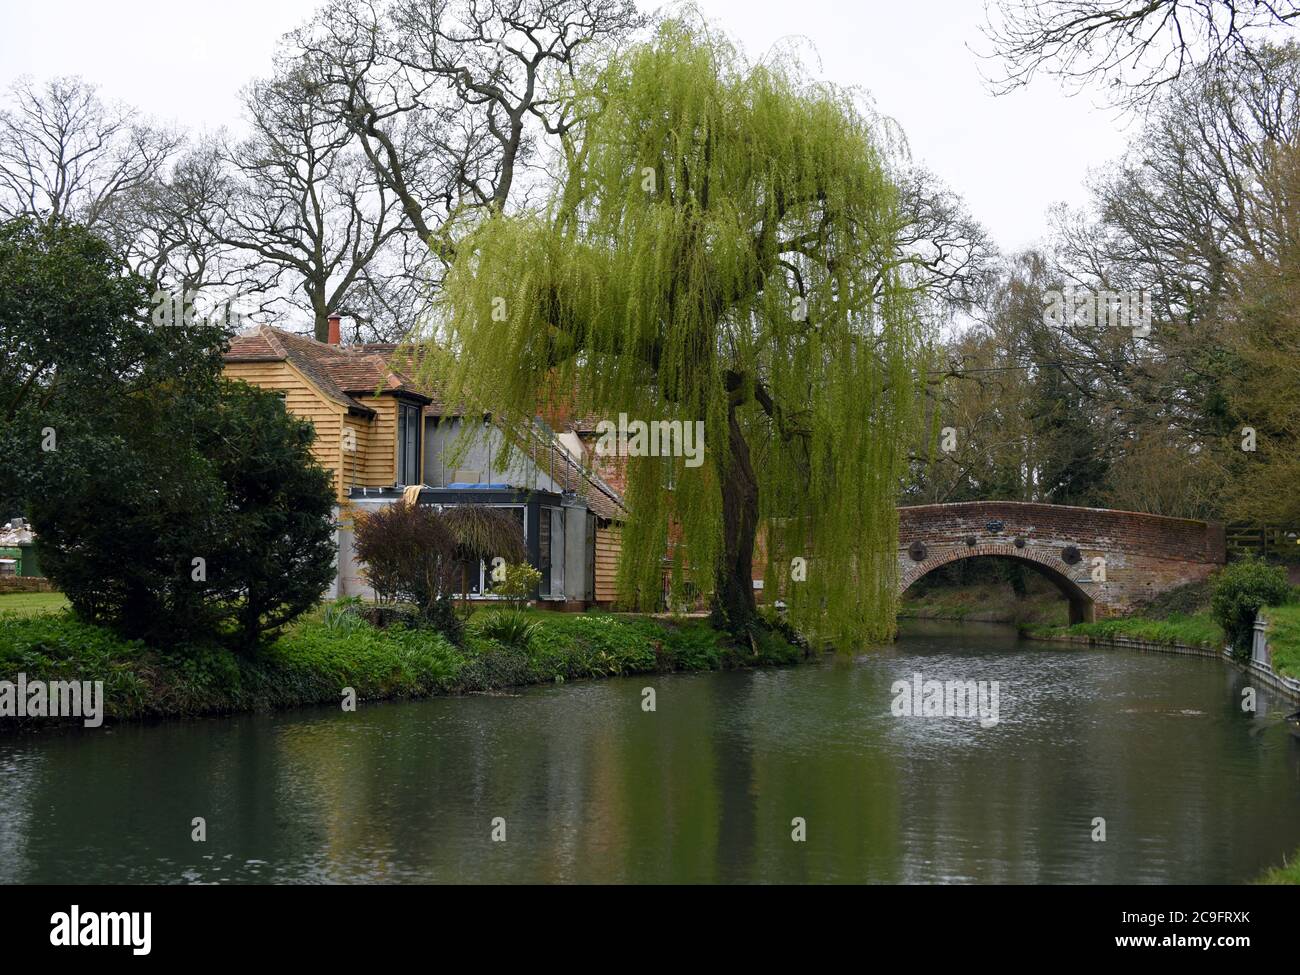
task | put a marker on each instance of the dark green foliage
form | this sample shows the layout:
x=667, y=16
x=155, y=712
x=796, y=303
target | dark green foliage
x=77, y=348
x=696, y=647
x=510, y=627
x=492, y=665
x=133, y=459
x=1181, y=601
x=1240, y=591
x=273, y=553
x=314, y=660
x=228, y=480
x=119, y=528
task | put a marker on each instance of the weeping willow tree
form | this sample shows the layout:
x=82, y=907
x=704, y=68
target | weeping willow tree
x=721, y=247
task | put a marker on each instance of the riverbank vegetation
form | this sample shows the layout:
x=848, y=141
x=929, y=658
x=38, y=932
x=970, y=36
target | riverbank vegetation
x=337, y=648
x=1211, y=614
x=1287, y=873
x=1196, y=630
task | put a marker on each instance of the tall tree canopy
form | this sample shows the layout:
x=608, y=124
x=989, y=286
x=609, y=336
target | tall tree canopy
x=1137, y=47
x=724, y=247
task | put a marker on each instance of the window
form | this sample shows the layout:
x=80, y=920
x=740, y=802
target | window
x=550, y=551
x=408, y=445
x=477, y=578
x=589, y=583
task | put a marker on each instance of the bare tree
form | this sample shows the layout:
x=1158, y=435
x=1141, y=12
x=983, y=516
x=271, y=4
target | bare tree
x=302, y=202
x=450, y=98
x=948, y=253
x=65, y=154
x=165, y=230
x=1136, y=47
x=1172, y=218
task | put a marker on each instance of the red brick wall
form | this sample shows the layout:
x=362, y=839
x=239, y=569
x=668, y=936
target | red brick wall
x=1144, y=554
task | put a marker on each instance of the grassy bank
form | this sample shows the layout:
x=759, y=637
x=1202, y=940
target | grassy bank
x=1194, y=629
x=29, y=603
x=1288, y=873
x=315, y=660
x=1284, y=638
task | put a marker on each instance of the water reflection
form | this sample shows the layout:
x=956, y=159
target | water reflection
x=592, y=788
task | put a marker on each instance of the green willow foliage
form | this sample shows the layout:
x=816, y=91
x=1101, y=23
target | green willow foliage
x=701, y=198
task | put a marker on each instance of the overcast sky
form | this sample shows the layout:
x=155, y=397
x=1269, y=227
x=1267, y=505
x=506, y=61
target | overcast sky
x=1011, y=157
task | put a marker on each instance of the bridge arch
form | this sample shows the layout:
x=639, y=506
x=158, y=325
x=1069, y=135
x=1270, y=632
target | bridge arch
x=1083, y=608
x=1106, y=562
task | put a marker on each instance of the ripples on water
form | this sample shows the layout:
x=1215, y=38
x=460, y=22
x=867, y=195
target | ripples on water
x=704, y=789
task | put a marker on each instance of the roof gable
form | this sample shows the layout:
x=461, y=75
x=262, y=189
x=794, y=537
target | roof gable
x=339, y=373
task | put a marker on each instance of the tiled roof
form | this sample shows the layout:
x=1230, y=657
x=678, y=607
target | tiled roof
x=405, y=358
x=338, y=372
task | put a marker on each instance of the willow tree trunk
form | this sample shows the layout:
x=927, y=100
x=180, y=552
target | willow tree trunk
x=734, y=597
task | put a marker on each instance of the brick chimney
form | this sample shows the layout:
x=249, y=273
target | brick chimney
x=335, y=336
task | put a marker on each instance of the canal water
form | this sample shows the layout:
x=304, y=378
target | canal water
x=588, y=787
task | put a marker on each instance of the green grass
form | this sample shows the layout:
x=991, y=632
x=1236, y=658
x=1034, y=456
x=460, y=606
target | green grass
x=28, y=603
x=326, y=652
x=1284, y=638
x=1195, y=629
x=1288, y=873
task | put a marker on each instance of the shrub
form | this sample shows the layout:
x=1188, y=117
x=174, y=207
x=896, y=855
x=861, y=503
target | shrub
x=344, y=615
x=774, y=648
x=1185, y=600
x=695, y=646
x=274, y=555
x=520, y=581
x=417, y=554
x=153, y=462
x=511, y=627
x=181, y=533
x=408, y=553
x=1240, y=591
x=492, y=666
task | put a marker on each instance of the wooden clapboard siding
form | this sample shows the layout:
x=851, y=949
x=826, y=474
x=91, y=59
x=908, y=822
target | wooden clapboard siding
x=609, y=543
x=353, y=464
x=302, y=399
x=380, y=465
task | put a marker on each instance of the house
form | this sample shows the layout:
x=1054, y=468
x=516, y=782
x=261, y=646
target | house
x=379, y=433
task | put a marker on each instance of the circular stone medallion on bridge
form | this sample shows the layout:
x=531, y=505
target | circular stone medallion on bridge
x=917, y=551
x=1071, y=555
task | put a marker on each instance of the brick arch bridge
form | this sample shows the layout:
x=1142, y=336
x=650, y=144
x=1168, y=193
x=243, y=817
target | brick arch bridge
x=1144, y=555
